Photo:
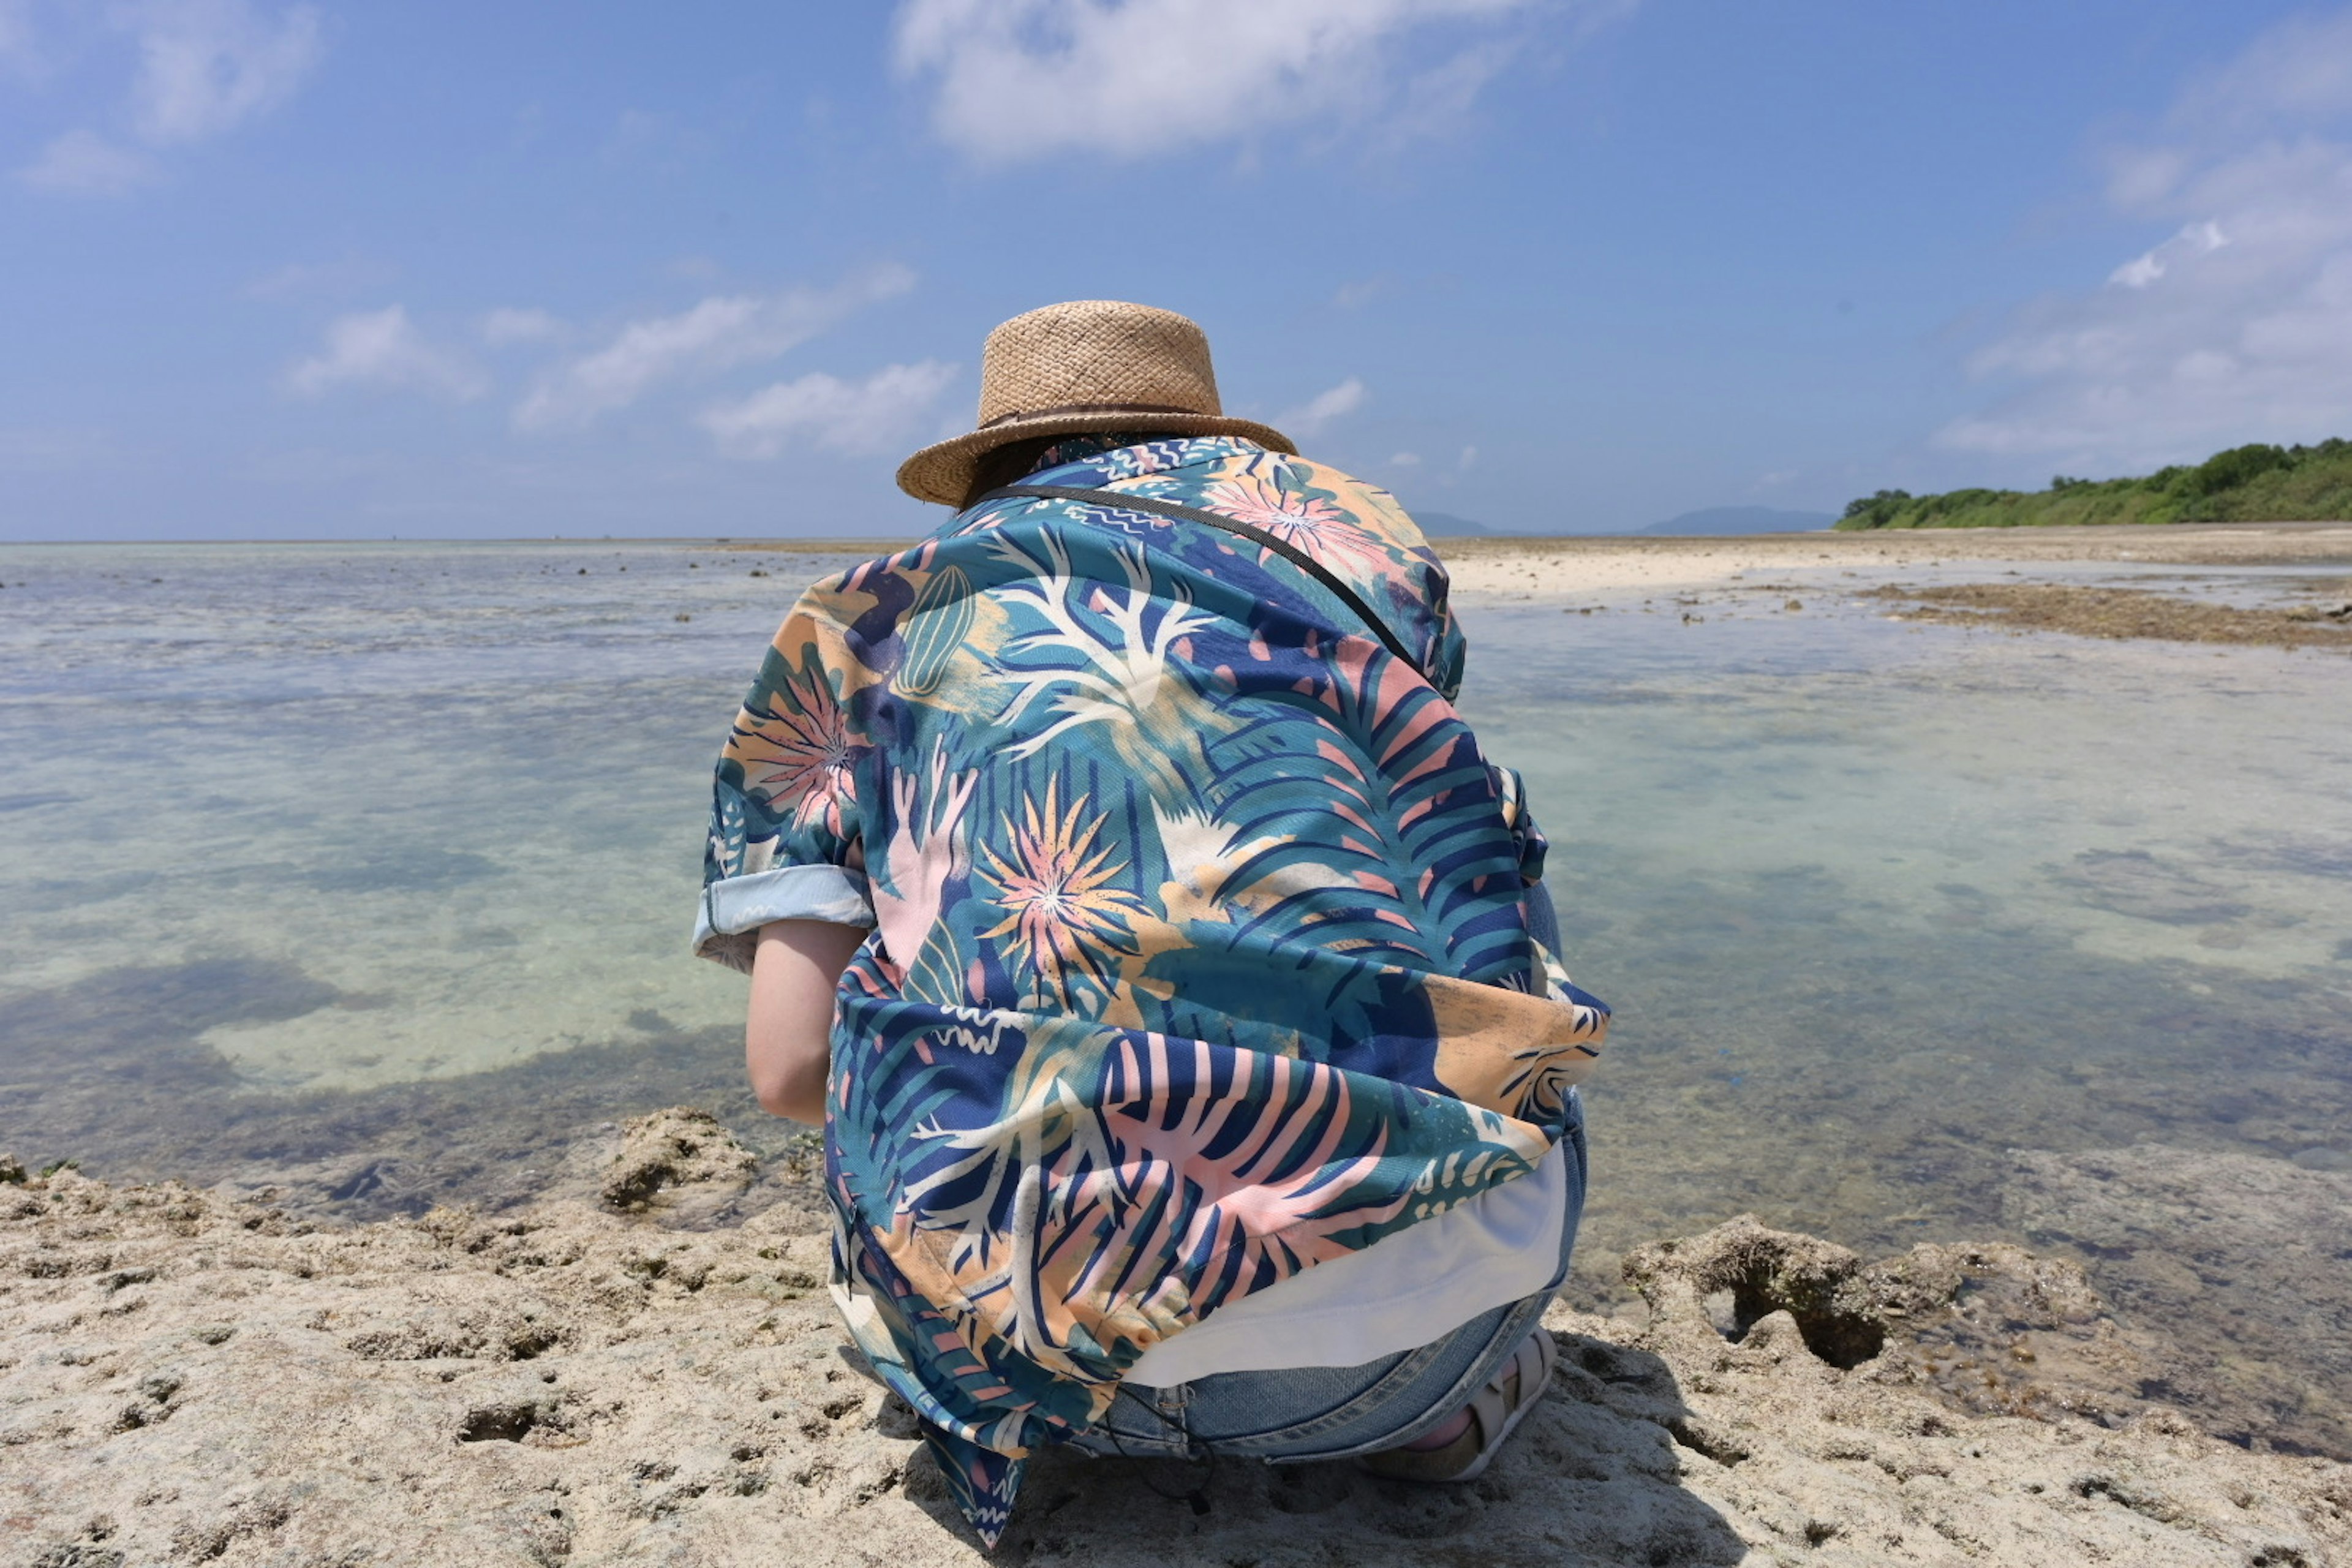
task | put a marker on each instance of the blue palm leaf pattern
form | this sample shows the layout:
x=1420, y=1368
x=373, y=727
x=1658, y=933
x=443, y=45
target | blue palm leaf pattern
x=1200, y=956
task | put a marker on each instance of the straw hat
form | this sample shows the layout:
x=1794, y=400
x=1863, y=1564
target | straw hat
x=1089, y=364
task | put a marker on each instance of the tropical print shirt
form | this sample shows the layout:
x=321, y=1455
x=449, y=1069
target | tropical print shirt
x=1199, y=954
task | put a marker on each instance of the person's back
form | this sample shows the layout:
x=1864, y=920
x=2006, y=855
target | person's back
x=1203, y=958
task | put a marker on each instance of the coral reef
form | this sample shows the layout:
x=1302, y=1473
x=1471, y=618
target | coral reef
x=191, y=1377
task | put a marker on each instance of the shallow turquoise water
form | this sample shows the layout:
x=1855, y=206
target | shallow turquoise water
x=310, y=854
x=1877, y=902
x=367, y=870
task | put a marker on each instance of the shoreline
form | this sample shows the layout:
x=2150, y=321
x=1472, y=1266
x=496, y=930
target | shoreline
x=1599, y=569
x=660, y=1361
x=628, y=1371
x=1558, y=567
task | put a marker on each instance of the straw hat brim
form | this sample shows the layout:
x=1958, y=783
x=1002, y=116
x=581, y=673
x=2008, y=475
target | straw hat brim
x=944, y=473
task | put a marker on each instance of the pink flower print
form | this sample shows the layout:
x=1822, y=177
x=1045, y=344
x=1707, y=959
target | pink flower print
x=1323, y=530
x=1064, y=916
x=799, y=755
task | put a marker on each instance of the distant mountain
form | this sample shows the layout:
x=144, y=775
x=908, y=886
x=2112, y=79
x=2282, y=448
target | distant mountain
x=1743, y=520
x=1445, y=525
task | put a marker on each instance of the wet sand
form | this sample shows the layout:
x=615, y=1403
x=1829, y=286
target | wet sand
x=1567, y=566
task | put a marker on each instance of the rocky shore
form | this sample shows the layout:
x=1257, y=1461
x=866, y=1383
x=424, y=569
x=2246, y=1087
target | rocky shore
x=2122, y=613
x=635, y=1370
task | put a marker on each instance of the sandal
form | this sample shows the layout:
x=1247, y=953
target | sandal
x=1496, y=1411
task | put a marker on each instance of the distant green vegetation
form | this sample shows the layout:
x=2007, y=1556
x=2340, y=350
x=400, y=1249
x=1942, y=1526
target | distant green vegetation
x=2245, y=484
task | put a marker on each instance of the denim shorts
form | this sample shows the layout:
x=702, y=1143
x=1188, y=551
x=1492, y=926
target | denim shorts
x=1326, y=1412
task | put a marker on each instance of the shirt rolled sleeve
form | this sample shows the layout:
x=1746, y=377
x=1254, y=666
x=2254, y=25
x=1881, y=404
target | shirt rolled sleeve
x=733, y=909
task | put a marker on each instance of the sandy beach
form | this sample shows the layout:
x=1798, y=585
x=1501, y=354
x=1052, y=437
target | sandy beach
x=1570, y=565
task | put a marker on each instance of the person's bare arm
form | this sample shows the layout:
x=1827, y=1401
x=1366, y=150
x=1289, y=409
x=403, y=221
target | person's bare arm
x=788, y=1034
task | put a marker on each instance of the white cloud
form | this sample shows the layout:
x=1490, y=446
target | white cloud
x=203, y=68
x=722, y=331
x=507, y=325
x=1441, y=96
x=870, y=415
x=1026, y=79
x=1404, y=459
x=2301, y=69
x=83, y=162
x=1310, y=417
x=2238, y=327
x=2195, y=240
x=1469, y=460
x=207, y=64
x=384, y=348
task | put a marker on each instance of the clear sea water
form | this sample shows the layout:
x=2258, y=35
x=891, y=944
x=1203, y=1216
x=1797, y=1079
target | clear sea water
x=366, y=870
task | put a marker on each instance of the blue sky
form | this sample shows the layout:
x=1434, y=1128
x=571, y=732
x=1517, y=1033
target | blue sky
x=329, y=270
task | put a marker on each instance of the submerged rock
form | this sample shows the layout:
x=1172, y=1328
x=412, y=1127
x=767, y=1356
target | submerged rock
x=2134, y=882
x=185, y=1376
x=2115, y=612
x=2185, y=1237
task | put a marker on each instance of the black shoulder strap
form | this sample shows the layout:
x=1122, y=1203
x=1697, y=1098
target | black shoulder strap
x=1288, y=552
